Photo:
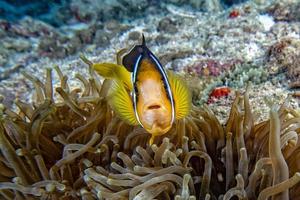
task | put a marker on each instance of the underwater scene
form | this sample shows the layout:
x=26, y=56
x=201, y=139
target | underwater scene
x=150, y=99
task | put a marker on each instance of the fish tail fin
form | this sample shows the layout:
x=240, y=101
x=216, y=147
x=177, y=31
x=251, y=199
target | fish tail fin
x=110, y=71
x=121, y=103
x=114, y=71
x=181, y=95
x=151, y=140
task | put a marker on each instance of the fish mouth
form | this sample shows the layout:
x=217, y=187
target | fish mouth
x=155, y=118
x=154, y=107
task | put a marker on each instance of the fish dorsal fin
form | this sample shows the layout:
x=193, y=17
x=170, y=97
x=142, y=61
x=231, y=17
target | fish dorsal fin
x=181, y=95
x=130, y=59
x=114, y=71
x=120, y=101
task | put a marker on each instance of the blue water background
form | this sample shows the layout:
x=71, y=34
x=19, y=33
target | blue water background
x=45, y=10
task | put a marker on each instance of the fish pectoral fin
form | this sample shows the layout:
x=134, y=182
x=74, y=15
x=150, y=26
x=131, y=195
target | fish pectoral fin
x=114, y=71
x=181, y=95
x=121, y=103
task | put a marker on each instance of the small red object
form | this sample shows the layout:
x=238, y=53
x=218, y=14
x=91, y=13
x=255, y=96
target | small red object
x=234, y=14
x=218, y=92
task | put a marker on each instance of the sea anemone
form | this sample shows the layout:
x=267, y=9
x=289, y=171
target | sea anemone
x=72, y=146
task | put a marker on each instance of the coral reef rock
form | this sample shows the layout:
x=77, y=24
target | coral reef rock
x=283, y=56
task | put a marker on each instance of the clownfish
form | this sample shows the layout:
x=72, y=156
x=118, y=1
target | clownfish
x=143, y=92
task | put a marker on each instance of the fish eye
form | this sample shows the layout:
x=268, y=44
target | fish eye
x=164, y=84
x=136, y=91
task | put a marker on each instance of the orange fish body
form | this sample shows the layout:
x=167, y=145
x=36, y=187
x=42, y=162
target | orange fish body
x=154, y=109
